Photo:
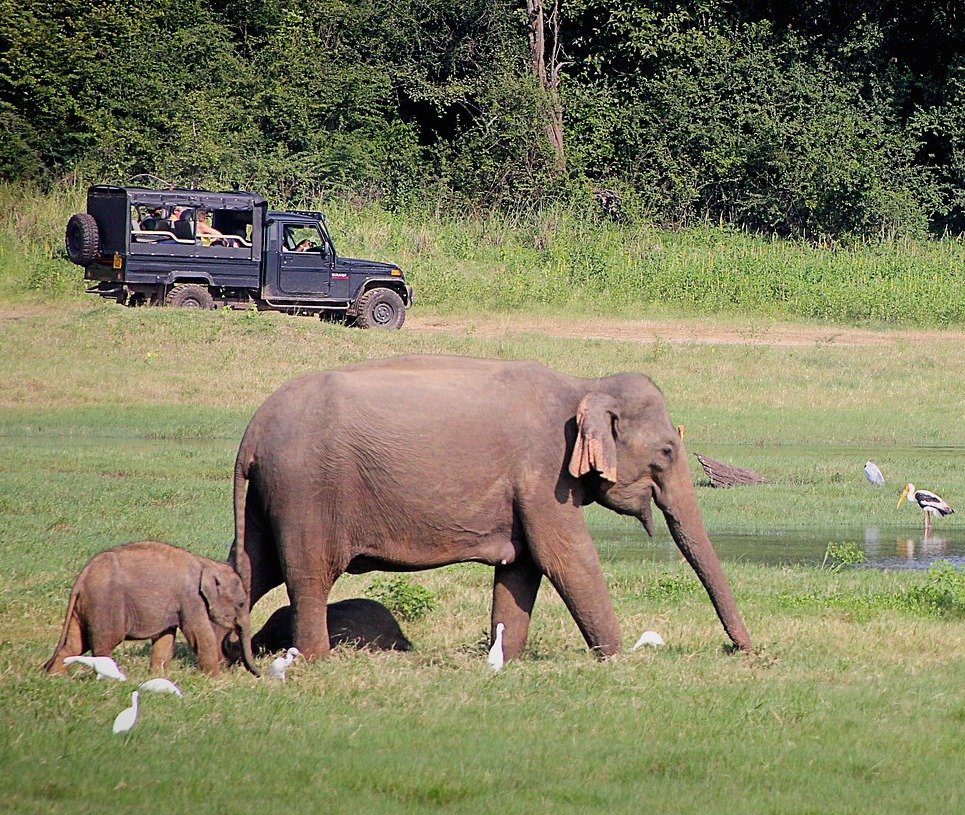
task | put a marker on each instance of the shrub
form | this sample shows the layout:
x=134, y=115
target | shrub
x=943, y=591
x=401, y=596
x=841, y=555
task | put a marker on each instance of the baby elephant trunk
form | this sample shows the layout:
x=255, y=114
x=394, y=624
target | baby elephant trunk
x=247, y=658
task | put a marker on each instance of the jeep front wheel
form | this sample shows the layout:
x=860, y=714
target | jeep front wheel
x=189, y=295
x=380, y=308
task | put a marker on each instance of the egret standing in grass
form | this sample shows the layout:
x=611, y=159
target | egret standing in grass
x=930, y=503
x=281, y=664
x=648, y=638
x=161, y=685
x=127, y=718
x=496, y=652
x=873, y=474
x=104, y=667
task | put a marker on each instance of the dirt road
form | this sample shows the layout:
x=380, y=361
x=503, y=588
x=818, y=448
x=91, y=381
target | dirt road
x=753, y=331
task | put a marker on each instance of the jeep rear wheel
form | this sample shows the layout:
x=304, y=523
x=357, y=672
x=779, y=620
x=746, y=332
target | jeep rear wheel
x=82, y=238
x=380, y=308
x=190, y=295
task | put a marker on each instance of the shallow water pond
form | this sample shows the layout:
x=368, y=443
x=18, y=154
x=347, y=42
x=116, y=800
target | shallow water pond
x=884, y=548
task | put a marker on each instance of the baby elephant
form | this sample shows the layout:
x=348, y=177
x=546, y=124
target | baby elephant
x=147, y=590
x=358, y=622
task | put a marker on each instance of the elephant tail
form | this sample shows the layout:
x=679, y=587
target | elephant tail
x=51, y=665
x=239, y=557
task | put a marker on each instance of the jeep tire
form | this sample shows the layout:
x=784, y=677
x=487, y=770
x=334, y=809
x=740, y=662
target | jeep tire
x=380, y=308
x=82, y=238
x=189, y=295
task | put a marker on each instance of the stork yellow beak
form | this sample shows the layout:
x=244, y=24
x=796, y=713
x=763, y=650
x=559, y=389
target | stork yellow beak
x=904, y=492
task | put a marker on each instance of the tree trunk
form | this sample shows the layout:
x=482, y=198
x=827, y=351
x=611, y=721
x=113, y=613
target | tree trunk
x=547, y=72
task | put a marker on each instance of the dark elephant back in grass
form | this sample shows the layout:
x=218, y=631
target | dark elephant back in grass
x=359, y=623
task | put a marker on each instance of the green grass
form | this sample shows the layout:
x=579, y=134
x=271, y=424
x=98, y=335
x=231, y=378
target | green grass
x=118, y=424
x=566, y=261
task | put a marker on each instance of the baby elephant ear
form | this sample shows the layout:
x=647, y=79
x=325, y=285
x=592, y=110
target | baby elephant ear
x=210, y=585
x=595, y=447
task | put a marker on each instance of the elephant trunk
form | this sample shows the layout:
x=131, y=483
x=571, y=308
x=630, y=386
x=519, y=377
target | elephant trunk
x=679, y=506
x=247, y=658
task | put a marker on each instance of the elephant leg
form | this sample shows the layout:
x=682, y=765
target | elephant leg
x=203, y=642
x=514, y=593
x=310, y=616
x=563, y=549
x=162, y=649
x=309, y=575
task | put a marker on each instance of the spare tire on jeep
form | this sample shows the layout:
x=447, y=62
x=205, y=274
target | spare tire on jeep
x=82, y=238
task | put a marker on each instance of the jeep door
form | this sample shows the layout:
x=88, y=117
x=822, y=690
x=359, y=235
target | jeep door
x=304, y=261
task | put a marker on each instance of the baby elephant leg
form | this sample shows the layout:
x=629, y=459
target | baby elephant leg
x=162, y=649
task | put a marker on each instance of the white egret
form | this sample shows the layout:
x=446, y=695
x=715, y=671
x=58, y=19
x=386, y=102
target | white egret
x=496, y=652
x=873, y=474
x=930, y=503
x=281, y=664
x=105, y=667
x=648, y=638
x=161, y=685
x=127, y=718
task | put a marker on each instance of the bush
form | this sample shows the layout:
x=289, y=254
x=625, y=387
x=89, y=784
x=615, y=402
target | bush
x=943, y=591
x=841, y=555
x=402, y=597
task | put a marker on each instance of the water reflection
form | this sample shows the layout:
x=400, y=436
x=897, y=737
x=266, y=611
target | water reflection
x=883, y=548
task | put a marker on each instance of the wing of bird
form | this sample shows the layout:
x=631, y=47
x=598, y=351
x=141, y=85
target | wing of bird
x=648, y=638
x=927, y=500
x=161, y=685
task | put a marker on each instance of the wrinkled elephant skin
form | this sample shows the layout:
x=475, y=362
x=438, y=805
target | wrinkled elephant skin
x=418, y=462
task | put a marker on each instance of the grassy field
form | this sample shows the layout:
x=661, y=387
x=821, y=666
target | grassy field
x=566, y=260
x=118, y=424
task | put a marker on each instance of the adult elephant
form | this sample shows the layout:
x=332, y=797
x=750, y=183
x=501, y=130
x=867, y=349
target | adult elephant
x=422, y=461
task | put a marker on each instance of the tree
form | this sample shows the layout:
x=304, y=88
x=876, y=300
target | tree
x=546, y=66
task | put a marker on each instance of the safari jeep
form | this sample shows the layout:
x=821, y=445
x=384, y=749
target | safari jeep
x=200, y=249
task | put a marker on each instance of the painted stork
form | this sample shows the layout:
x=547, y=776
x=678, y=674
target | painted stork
x=930, y=503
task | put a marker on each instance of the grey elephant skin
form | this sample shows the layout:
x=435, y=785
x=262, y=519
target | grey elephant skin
x=147, y=590
x=422, y=461
x=359, y=622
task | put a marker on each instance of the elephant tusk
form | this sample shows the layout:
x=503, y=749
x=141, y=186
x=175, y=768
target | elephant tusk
x=646, y=514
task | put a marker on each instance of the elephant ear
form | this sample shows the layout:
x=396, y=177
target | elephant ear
x=210, y=586
x=596, y=447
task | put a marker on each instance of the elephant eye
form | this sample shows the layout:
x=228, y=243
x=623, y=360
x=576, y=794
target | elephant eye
x=668, y=451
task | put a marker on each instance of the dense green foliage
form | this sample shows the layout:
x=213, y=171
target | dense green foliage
x=817, y=119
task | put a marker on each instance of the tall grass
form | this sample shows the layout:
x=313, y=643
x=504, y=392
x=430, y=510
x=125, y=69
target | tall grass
x=567, y=260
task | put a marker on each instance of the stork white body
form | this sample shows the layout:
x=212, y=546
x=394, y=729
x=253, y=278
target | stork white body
x=281, y=664
x=651, y=638
x=105, y=667
x=929, y=503
x=873, y=474
x=127, y=718
x=496, y=652
x=161, y=685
